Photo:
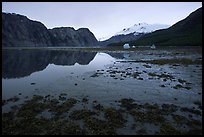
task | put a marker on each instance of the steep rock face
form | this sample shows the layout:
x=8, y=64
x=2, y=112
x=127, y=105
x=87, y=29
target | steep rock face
x=67, y=36
x=18, y=30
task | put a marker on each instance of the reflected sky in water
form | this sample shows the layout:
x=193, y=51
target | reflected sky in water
x=22, y=67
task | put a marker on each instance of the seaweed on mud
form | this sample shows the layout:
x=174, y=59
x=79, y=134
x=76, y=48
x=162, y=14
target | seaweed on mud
x=70, y=102
x=62, y=98
x=180, y=86
x=162, y=86
x=99, y=127
x=147, y=117
x=199, y=104
x=96, y=74
x=152, y=74
x=164, y=79
x=14, y=107
x=194, y=123
x=13, y=99
x=147, y=66
x=52, y=104
x=167, y=76
x=128, y=68
x=151, y=107
x=71, y=129
x=85, y=100
x=36, y=98
x=99, y=107
x=185, y=109
x=181, y=81
x=140, y=78
x=59, y=109
x=169, y=108
x=175, y=65
x=30, y=109
x=188, y=88
x=128, y=73
x=114, y=72
x=136, y=74
x=112, y=75
x=8, y=124
x=81, y=114
x=128, y=103
x=179, y=119
x=47, y=96
x=63, y=94
x=142, y=131
x=168, y=129
x=43, y=126
x=114, y=117
x=25, y=119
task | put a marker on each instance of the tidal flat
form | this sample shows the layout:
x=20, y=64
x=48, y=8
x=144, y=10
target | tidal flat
x=102, y=92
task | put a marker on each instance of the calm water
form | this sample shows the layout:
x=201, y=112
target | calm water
x=42, y=67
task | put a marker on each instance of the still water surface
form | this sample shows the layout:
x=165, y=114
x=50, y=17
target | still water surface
x=25, y=71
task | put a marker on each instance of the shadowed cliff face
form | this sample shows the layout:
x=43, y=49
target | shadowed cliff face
x=67, y=36
x=20, y=63
x=18, y=30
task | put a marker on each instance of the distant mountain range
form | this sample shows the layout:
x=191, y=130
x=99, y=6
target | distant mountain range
x=187, y=32
x=132, y=33
x=18, y=30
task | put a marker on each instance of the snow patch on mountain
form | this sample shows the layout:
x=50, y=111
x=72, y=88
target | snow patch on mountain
x=142, y=28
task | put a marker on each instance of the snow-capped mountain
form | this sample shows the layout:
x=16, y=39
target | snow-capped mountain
x=132, y=33
x=142, y=28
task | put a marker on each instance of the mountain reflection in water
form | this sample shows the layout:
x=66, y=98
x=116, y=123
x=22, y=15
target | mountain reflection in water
x=21, y=63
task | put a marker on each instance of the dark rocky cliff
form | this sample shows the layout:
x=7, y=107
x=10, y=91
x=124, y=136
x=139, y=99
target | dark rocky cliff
x=18, y=30
x=67, y=36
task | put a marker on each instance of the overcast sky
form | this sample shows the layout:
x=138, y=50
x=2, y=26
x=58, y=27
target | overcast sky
x=102, y=18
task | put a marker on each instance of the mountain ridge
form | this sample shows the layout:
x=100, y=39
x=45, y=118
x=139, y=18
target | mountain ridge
x=132, y=33
x=186, y=32
x=18, y=30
